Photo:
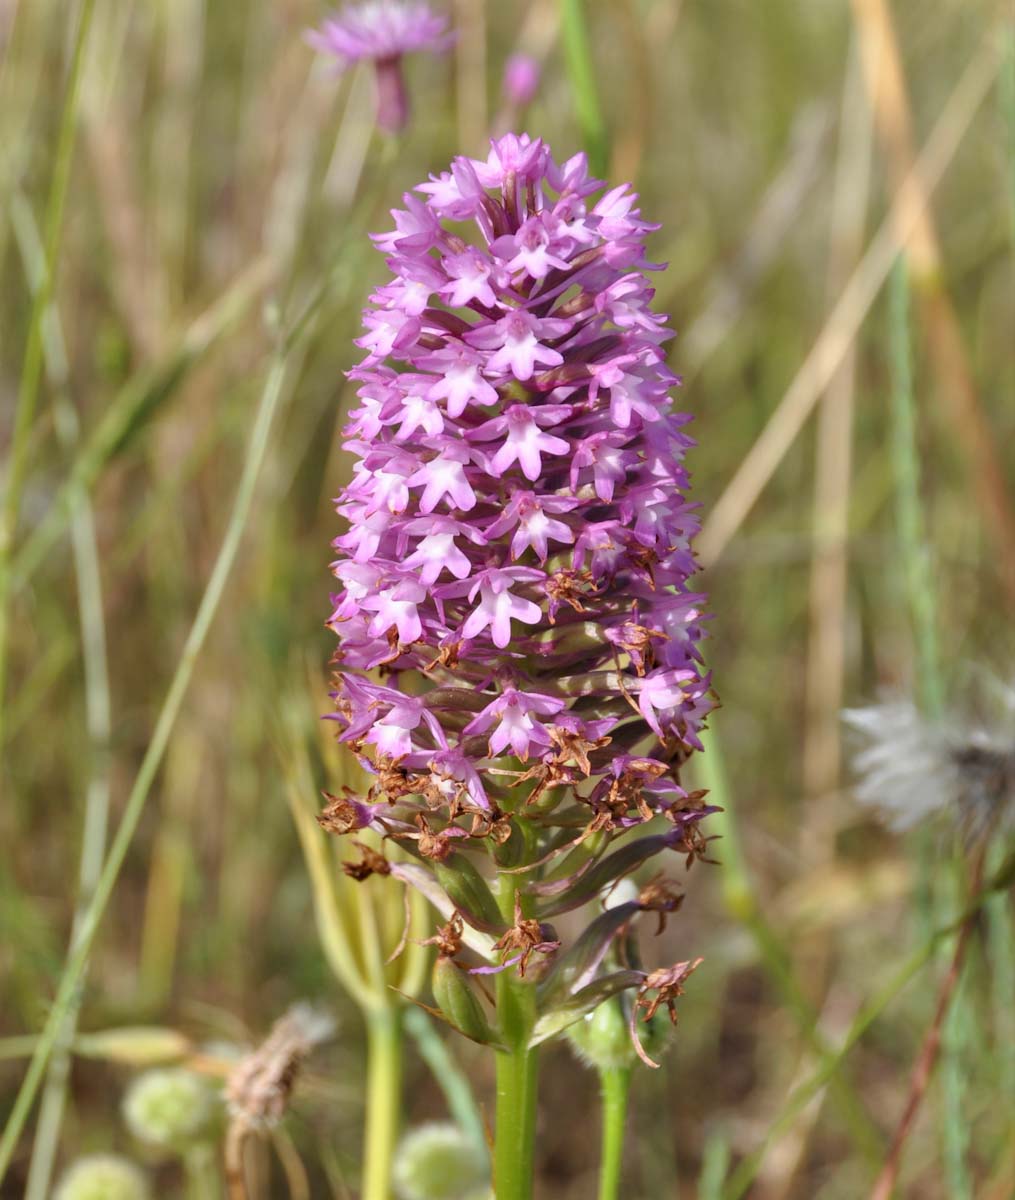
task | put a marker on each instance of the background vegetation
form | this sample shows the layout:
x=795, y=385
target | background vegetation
x=219, y=177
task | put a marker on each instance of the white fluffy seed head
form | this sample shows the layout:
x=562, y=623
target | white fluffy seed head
x=912, y=769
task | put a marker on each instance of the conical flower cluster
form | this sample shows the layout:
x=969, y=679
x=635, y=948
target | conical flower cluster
x=518, y=641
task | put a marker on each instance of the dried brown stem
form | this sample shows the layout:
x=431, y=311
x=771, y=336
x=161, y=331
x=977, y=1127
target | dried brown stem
x=926, y=1060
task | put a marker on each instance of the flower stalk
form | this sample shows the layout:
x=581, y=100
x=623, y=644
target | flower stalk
x=384, y=1100
x=614, y=1088
x=517, y=1073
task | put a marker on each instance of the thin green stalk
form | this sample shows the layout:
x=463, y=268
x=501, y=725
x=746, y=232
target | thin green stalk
x=581, y=72
x=715, y=1162
x=200, y=1167
x=98, y=714
x=384, y=1100
x=74, y=968
x=31, y=370
x=517, y=1075
x=921, y=596
x=914, y=549
x=614, y=1088
x=1006, y=96
x=1001, y=943
x=743, y=904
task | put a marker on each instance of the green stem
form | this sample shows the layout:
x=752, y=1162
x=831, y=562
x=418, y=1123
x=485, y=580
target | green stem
x=384, y=1100
x=918, y=570
x=77, y=961
x=581, y=73
x=614, y=1087
x=453, y=1082
x=98, y=716
x=517, y=1075
x=201, y=1173
x=31, y=370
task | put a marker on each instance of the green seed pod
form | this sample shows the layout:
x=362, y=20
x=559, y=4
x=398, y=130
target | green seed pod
x=439, y=1161
x=173, y=1108
x=459, y=1003
x=102, y=1177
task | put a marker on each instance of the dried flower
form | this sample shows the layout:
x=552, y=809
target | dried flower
x=912, y=768
x=382, y=31
x=258, y=1088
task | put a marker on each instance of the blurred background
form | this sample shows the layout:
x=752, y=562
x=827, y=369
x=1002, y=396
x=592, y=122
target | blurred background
x=221, y=177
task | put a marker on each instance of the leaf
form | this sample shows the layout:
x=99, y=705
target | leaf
x=587, y=884
x=576, y=968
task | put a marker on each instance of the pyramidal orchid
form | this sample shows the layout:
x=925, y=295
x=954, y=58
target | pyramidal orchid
x=381, y=32
x=517, y=659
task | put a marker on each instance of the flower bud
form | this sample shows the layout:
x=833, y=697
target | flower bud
x=438, y=1161
x=174, y=1109
x=457, y=1000
x=102, y=1177
x=602, y=1039
x=521, y=79
x=470, y=893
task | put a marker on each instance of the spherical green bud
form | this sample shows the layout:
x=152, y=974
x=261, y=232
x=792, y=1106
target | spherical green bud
x=602, y=1039
x=102, y=1177
x=173, y=1108
x=439, y=1161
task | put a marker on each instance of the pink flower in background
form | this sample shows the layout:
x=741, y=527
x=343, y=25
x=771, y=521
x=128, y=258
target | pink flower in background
x=521, y=79
x=382, y=31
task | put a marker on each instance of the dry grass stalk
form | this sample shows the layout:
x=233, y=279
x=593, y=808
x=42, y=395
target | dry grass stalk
x=822, y=758
x=774, y=219
x=842, y=325
x=886, y=86
x=926, y=1060
x=137, y=284
x=470, y=66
